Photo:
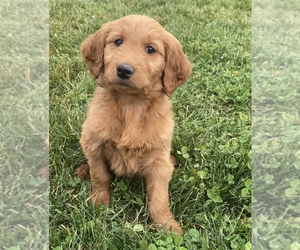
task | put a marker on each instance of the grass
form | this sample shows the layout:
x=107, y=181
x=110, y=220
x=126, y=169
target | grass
x=210, y=191
x=23, y=124
x=275, y=142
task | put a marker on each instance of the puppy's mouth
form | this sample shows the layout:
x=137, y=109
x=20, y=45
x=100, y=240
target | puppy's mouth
x=122, y=83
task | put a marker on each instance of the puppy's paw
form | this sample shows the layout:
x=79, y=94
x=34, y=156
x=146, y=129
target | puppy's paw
x=171, y=225
x=100, y=196
x=83, y=172
x=174, y=226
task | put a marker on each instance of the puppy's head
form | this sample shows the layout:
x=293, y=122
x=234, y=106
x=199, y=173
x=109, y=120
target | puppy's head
x=136, y=53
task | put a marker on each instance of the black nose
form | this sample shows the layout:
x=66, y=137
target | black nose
x=124, y=71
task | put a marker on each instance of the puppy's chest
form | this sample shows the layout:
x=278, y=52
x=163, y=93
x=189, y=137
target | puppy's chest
x=133, y=137
x=134, y=129
x=123, y=161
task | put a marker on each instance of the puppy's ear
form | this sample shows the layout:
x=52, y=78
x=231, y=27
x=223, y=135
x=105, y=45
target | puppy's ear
x=92, y=50
x=177, y=68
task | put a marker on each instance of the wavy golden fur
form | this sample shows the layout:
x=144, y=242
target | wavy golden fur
x=137, y=65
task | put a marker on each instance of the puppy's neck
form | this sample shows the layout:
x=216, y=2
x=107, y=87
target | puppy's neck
x=136, y=98
x=137, y=107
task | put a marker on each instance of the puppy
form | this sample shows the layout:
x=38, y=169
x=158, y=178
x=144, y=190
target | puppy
x=137, y=66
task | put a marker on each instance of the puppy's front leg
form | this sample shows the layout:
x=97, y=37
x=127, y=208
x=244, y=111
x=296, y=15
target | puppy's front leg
x=158, y=175
x=100, y=175
x=101, y=180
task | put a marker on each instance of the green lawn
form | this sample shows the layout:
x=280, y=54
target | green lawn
x=210, y=191
x=23, y=124
x=276, y=125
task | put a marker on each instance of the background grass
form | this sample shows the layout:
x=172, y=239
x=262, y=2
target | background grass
x=23, y=123
x=276, y=109
x=211, y=186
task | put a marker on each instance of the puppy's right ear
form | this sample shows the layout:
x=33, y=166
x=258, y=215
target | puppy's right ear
x=92, y=50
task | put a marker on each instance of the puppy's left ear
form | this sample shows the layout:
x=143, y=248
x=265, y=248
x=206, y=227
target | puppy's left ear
x=177, y=68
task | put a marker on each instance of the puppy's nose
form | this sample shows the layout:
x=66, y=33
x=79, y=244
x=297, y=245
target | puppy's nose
x=124, y=71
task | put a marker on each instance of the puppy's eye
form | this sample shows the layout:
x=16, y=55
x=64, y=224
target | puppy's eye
x=118, y=42
x=150, y=50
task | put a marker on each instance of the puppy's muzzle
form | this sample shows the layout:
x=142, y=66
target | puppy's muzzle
x=124, y=71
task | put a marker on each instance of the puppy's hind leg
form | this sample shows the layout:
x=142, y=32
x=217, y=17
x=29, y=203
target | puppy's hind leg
x=83, y=172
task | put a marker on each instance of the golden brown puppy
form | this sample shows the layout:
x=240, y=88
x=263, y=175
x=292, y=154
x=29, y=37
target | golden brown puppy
x=129, y=125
